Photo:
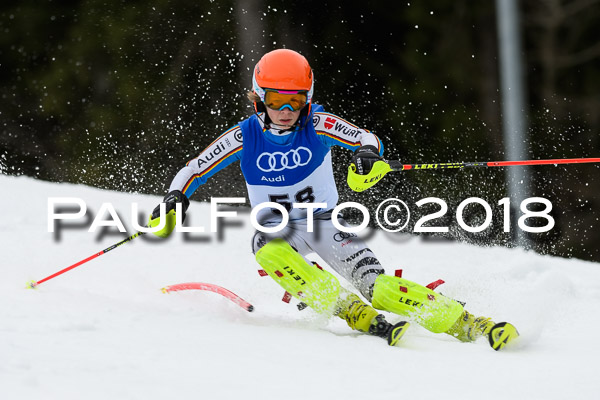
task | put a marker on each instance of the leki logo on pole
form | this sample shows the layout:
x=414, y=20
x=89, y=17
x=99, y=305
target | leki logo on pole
x=278, y=161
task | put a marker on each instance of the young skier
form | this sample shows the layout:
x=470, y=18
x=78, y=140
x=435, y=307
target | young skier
x=285, y=157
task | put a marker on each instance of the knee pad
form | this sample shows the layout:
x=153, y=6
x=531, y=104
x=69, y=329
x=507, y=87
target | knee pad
x=431, y=310
x=315, y=287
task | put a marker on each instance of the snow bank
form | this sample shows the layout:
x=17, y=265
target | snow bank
x=105, y=330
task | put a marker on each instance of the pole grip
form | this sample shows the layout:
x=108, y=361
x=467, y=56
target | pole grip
x=396, y=165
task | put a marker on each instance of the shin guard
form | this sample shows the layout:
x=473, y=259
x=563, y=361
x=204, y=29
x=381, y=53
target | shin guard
x=315, y=287
x=431, y=310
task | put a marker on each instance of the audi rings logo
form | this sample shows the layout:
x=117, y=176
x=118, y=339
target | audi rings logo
x=278, y=161
x=341, y=236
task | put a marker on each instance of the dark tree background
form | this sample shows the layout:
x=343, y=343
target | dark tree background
x=120, y=94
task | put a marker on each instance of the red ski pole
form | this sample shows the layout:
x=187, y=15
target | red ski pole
x=34, y=284
x=398, y=166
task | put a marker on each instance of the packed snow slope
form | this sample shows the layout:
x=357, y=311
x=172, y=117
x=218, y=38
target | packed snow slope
x=105, y=330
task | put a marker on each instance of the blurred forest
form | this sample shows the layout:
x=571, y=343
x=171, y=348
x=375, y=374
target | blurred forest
x=120, y=94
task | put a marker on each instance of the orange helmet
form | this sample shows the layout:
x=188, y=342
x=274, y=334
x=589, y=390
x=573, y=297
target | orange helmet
x=283, y=69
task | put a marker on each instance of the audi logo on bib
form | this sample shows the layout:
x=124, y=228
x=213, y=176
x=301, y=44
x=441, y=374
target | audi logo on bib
x=278, y=161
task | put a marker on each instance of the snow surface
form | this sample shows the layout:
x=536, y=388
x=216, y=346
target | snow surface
x=105, y=329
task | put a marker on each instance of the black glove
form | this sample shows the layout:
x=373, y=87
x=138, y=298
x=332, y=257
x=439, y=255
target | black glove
x=172, y=198
x=364, y=158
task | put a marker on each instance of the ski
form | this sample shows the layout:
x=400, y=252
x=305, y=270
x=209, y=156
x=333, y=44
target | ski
x=391, y=332
x=502, y=334
x=211, y=288
x=396, y=332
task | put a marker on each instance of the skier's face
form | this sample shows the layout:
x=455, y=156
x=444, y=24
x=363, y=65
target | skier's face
x=285, y=118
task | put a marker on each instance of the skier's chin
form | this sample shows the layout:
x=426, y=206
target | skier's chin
x=285, y=124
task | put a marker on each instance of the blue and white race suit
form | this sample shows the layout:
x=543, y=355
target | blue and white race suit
x=293, y=168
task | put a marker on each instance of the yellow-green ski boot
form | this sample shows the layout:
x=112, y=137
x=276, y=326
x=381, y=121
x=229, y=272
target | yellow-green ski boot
x=364, y=318
x=469, y=328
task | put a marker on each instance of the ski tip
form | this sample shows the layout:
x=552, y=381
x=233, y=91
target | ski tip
x=502, y=334
x=31, y=285
x=396, y=333
x=250, y=308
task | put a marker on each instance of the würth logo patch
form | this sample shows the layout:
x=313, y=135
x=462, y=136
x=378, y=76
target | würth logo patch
x=329, y=122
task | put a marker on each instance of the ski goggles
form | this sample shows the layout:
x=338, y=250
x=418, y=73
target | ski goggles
x=293, y=100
